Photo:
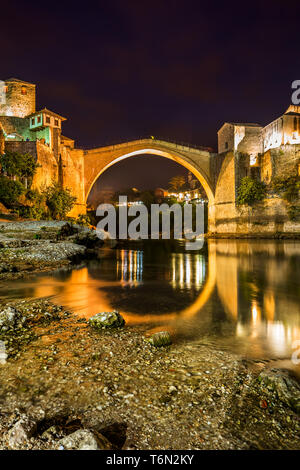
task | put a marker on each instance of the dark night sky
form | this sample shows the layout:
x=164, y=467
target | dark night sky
x=123, y=69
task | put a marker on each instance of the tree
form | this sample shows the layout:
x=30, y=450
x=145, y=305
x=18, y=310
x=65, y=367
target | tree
x=177, y=182
x=59, y=201
x=250, y=191
x=18, y=165
x=10, y=191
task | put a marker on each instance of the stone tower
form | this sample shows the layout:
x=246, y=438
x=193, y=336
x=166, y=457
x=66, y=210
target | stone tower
x=19, y=98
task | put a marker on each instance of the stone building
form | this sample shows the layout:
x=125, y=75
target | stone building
x=253, y=139
x=285, y=130
x=24, y=129
x=18, y=98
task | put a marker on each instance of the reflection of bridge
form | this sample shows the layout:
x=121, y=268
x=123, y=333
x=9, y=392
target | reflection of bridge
x=271, y=309
x=198, y=161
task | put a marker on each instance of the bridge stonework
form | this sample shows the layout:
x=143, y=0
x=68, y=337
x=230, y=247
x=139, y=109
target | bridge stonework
x=219, y=174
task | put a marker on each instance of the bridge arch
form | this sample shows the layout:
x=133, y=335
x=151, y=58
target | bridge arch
x=97, y=161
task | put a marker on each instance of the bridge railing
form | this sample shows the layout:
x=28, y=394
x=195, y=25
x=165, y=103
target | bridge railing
x=154, y=138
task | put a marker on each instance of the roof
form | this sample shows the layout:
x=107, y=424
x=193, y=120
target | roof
x=63, y=137
x=245, y=124
x=47, y=111
x=19, y=81
x=242, y=124
x=293, y=110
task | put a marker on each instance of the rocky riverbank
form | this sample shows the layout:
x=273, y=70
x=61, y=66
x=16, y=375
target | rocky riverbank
x=65, y=384
x=32, y=246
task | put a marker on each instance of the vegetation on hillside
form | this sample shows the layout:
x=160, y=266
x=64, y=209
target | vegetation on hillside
x=250, y=191
x=16, y=176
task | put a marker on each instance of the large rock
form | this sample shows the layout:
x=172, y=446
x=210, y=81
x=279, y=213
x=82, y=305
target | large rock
x=107, y=320
x=89, y=239
x=286, y=387
x=21, y=432
x=10, y=318
x=84, y=439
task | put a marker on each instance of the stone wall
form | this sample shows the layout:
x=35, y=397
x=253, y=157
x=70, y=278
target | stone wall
x=72, y=177
x=226, y=138
x=268, y=217
x=47, y=171
x=241, y=138
x=16, y=103
x=17, y=125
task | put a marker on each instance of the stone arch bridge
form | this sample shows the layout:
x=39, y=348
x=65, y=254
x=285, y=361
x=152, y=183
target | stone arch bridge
x=218, y=173
x=197, y=160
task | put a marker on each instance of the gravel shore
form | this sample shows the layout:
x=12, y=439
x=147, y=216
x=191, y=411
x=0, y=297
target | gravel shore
x=63, y=376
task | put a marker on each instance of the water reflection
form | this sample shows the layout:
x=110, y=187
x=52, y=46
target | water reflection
x=242, y=295
x=130, y=267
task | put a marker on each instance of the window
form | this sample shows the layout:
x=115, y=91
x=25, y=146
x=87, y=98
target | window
x=23, y=90
x=295, y=124
x=226, y=145
x=38, y=119
x=56, y=122
x=32, y=121
x=5, y=88
x=47, y=119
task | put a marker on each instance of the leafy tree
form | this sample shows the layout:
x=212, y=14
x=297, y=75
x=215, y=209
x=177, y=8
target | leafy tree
x=10, y=191
x=11, y=163
x=59, y=201
x=250, y=191
x=177, y=182
x=18, y=165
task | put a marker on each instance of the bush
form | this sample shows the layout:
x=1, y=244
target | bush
x=288, y=188
x=10, y=191
x=250, y=191
x=294, y=212
x=83, y=219
x=59, y=201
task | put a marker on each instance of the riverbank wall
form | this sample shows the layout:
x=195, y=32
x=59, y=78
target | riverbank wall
x=272, y=217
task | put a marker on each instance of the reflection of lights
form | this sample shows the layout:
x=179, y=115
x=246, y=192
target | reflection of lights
x=130, y=267
x=276, y=336
x=187, y=270
x=181, y=283
x=255, y=311
x=200, y=270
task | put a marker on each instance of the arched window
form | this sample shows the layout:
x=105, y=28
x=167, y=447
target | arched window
x=295, y=124
x=23, y=90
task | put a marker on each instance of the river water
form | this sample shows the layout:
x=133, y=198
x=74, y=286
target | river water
x=242, y=296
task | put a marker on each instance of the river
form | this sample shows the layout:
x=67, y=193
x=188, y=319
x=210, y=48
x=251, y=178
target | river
x=241, y=295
